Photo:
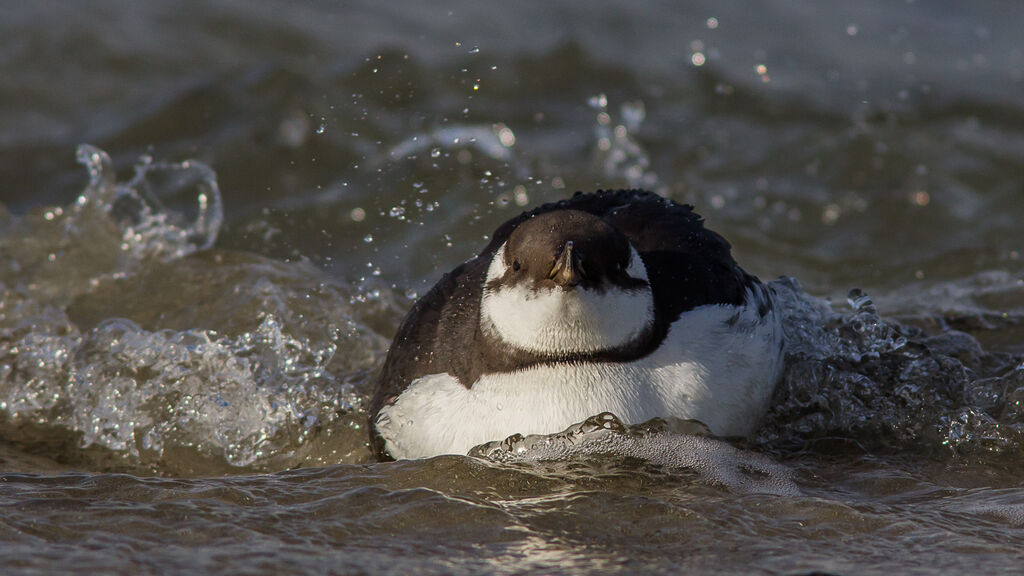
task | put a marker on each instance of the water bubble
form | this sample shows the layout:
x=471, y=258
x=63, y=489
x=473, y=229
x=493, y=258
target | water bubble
x=860, y=301
x=505, y=135
x=830, y=214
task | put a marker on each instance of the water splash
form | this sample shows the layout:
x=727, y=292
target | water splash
x=165, y=212
x=131, y=346
x=657, y=443
x=149, y=228
x=243, y=399
x=249, y=399
x=855, y=377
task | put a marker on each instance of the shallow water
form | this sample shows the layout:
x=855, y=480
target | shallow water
x=187, y=346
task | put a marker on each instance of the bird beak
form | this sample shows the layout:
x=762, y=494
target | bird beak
x=567, y=270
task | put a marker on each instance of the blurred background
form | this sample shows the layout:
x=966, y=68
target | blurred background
x=876, y=144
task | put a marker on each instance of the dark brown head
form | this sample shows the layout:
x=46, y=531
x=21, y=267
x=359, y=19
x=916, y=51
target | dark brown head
x=569, y=249
x=566, y=282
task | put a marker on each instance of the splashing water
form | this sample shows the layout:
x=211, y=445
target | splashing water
x=858, y=378
x=656, y=443
x=111, y=228
x=237, y=365
x=148, y=228
x=137, y=392
x=122, y=332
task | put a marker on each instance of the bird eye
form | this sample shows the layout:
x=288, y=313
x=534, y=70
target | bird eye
x=515, y=265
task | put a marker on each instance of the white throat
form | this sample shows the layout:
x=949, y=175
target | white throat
x=559, y=321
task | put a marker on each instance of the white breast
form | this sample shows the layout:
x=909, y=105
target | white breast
x=714, y=366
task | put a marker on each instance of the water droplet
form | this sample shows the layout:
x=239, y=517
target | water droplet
x=830, y=214
x=859, y=300
x=519, y=193
x=505, y=135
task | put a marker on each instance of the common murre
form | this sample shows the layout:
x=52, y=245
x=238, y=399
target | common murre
x=616, y=302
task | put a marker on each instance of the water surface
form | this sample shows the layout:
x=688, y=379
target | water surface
x=192, y=309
